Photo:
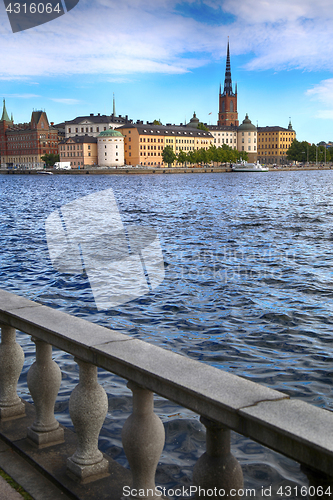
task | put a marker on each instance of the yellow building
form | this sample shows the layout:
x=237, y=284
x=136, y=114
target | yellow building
x=80, y=151
x=144, y=143
x=273, y=144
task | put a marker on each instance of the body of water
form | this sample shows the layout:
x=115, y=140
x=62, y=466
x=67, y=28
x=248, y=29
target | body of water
x=248, y=289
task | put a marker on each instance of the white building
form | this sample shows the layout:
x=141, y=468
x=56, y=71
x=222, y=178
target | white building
x=110, y=148
x=247, y=138
x=93, y=125
x=224, y=134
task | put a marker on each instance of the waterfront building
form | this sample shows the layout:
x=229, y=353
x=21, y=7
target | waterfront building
x=228, y=115
x=273, y=144
x=223, y=135
x=22, y=145
x=247, y=139
x=144, y=143
x=110, y=148
x=80, y=151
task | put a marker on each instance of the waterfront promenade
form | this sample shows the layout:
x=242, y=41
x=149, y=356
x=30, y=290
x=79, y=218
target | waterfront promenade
x=154, y=170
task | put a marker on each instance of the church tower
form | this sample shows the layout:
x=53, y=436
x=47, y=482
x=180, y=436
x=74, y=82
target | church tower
x=228, y=115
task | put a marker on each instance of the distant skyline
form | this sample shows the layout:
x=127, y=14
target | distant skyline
x=165, y=59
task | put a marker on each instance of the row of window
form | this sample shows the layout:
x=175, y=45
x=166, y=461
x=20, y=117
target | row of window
x=149, y=139
x=222, y=133
x=77, y=153
x=71, y=147
x=271, y=146
x=288, y=139
x=84, y=129
x=277, y=133
x=23, y=160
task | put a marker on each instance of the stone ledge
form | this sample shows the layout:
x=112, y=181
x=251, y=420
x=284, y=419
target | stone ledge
x=294, y=428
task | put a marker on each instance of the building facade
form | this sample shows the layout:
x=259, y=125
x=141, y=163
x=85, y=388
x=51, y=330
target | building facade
x=144, y=143
x=110, y=148
x=247, y=139
x=273, y=144
x=22, y=145
x=228, y=114
x=79, y=151
x=93, y=125
x=223, y=135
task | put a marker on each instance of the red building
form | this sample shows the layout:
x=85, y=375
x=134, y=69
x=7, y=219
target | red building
x=24, y=144
x=228, y=115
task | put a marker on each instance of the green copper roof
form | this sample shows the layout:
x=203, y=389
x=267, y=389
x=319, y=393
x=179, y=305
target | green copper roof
x=110, y=133
x=5, y=116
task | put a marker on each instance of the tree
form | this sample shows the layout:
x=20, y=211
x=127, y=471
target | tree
x=193, y=156
x=157, y=122
x=168, y=155
x=201, y=126
x=50, y=159
x=182, y=157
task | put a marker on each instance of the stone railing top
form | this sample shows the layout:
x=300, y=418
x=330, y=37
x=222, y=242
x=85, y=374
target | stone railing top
x=294, y=428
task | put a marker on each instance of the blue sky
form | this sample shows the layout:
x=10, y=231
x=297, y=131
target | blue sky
x=165, y=59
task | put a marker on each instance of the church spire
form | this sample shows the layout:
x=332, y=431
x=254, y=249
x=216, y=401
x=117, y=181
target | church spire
x=114, y=106
x=227, y=80
x=5, y=116
x=228, y=115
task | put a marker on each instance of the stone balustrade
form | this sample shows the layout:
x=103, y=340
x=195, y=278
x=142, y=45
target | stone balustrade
x=224, y=402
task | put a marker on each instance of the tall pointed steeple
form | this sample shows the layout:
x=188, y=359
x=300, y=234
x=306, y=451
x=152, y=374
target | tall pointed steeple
x=4, y=116
x=227, y=79
x=228, y=115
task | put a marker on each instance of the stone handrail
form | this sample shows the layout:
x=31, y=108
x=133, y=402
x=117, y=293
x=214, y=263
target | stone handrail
x=223, y=400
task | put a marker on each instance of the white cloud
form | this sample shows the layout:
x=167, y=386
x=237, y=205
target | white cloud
x=20, y=96
x=323, y=93
x=132, y=36
x=66, y=101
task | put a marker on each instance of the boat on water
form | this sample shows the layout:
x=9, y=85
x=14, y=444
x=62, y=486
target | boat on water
x=243, y=166
x=44, y=172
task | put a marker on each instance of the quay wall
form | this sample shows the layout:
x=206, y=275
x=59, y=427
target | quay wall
x=156, y=170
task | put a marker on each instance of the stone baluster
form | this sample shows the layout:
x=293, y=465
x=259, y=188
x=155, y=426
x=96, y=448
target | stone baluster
x=143, y=439
x=11, y=364
x=44, y=379
x=217, y=469
x=88, y=407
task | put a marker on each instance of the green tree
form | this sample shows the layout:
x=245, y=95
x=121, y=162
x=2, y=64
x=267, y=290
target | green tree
x=157, y=122
x=193, y=157
x=323, y=153
x=168, y=155
x=201, y=126
x=182, y=157
x=300, y=151
x=202, y=156
x=50, y=159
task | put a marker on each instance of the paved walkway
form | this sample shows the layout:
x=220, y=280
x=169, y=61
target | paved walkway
x=7, y=492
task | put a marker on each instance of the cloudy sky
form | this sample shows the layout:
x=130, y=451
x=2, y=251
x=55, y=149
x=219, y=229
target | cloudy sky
x=165, y=59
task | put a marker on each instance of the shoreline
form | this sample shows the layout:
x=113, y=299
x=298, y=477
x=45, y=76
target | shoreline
x=157, y=170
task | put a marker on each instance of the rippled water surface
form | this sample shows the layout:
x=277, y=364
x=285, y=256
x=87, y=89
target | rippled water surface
x=248, y=289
